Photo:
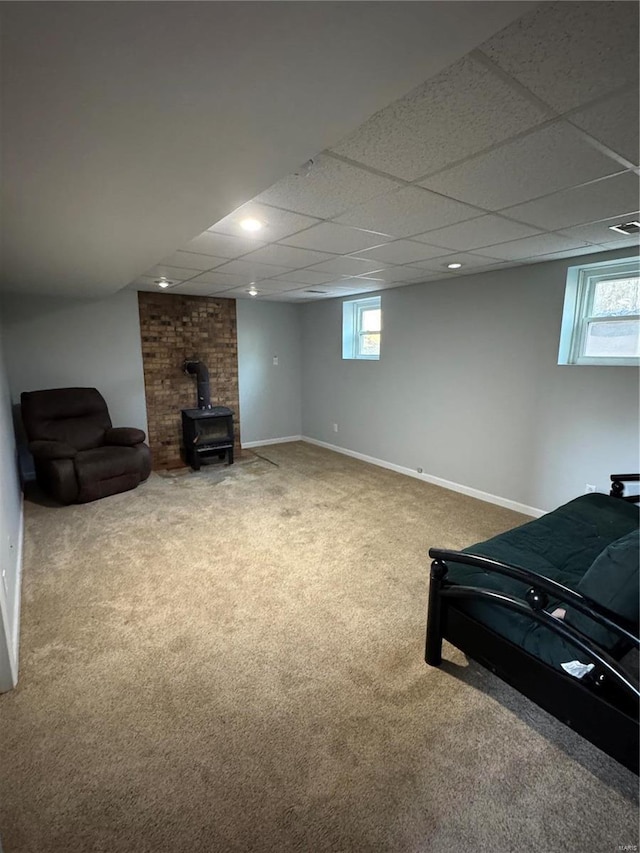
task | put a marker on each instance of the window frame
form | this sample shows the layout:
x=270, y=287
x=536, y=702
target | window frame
x=578, y=304
x=352, y=331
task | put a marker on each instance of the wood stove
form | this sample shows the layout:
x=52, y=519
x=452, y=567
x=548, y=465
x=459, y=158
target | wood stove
x=208, y=430
x=207, y=433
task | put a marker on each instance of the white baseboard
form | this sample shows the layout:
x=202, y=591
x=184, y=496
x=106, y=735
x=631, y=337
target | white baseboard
x=429, y=478
x=284, y=440
x=15, y=639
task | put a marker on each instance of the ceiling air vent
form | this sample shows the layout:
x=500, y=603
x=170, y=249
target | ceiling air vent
x=628, y=228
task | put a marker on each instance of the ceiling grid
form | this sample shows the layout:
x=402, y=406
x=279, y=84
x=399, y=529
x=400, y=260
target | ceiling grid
x=524, y=150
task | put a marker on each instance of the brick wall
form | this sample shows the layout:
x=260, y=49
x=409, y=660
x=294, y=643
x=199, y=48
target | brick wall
x=175, y=327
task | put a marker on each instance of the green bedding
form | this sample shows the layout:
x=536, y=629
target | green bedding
x=561, y=545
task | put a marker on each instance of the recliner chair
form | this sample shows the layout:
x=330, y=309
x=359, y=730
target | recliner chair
x=79, y=456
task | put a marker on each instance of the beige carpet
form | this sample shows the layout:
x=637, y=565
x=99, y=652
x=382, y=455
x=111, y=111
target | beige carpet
x=233, y=661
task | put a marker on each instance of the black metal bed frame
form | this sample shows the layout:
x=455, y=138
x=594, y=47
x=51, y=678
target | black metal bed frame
x=602, y=707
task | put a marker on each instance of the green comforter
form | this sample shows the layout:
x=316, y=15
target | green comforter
x=560, y=545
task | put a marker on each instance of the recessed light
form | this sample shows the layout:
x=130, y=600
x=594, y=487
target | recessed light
x=252, y=291
x=163, y=281
x=251, y=224
x=455, y=266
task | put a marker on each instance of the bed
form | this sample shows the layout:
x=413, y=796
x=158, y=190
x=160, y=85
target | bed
x=551, y=607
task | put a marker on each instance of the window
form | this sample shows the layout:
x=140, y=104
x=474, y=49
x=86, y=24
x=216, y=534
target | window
x=361, y=328
x=601, y=318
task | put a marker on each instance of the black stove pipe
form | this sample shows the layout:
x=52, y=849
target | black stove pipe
x=199, y=370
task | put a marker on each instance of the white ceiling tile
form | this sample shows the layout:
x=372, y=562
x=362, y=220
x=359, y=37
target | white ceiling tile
x=355, y=285
x=345, y=265
x=144, y=282
x=469, y=261
x=263, y=286
x=568, y=253
x=355, y=289
x=304, y=277
x=275, y=284
x=408, y=211
x=277, y=297
x=371, y=280
x=579, y=205
x=396, y=274
x=384, y=143
x=570, y=53
x=252, y=271
x=600, y=232
x=216, y=279
x=301, y=295
x=543, y=244
x=409, y=274
x=330, y=237
x=462, y=110
x=402, y=252
x=484, y=231
x=222, y=245
x=190, y=288
x=329, y=189
x=286, y=256
x=379, y=285
x=276, y=223
x=613, y=122
x=468, y=269
x=190, y=260
x=542, y=162
x=172, y=273
x=241, y=293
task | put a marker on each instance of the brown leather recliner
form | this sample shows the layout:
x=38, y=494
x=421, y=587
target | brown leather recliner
x=78, y=456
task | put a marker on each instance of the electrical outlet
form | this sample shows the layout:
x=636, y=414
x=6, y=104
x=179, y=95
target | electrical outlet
x=335, y=427
x=589, y=489
x=275, y=361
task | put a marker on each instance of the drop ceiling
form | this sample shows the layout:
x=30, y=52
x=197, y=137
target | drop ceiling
x=130, y=128
x=521, y=151
x=504, y=134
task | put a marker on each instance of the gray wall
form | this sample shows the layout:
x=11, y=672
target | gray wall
x=270, y=396
x=468, y=388
x=10, y=539
x=52, y=342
